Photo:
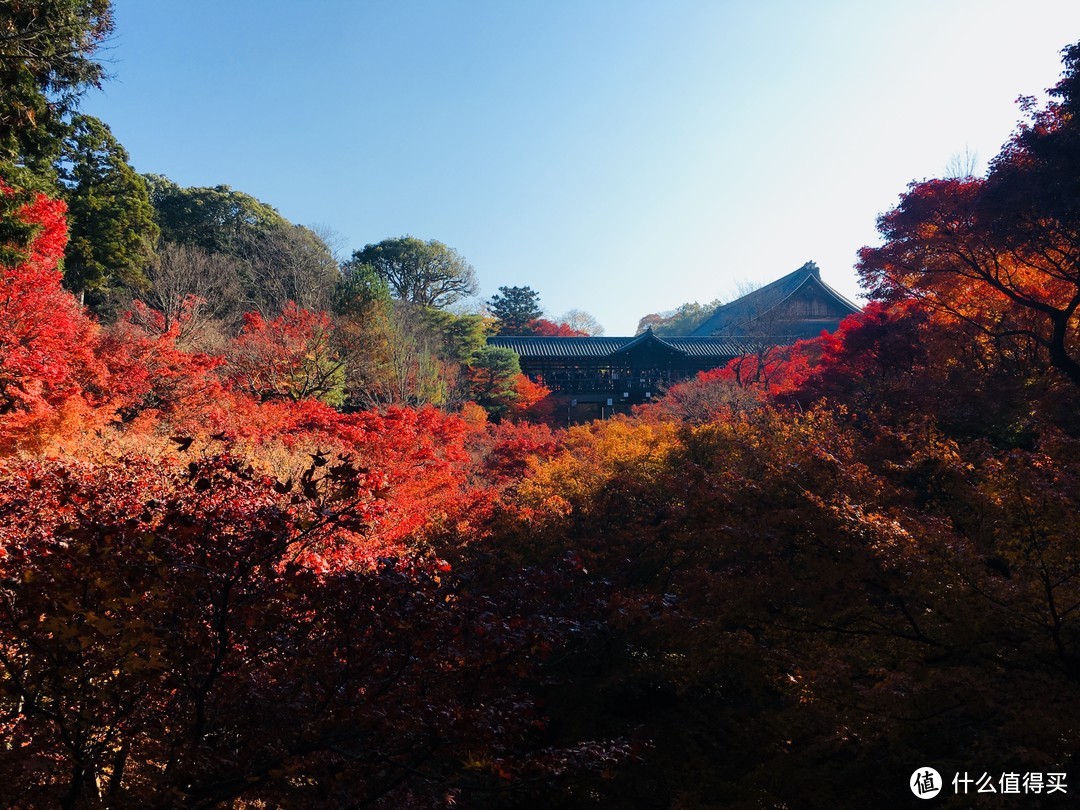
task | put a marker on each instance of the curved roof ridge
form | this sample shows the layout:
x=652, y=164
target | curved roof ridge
x=757, y=303
x=648, y=336
x=813, y=277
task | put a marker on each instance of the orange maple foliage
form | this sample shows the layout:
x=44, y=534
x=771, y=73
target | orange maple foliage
x=291, y=356
x=531, y=401
x=856, y=552
x=153, y=385
x=46, y=355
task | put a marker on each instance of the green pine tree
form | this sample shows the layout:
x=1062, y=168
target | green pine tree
x=113, y=229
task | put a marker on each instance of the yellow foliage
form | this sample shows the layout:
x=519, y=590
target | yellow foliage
x=595, y=453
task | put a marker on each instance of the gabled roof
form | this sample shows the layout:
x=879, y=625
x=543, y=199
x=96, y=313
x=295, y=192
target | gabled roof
x=647, y=341
x=723, y=348
x=733, y=317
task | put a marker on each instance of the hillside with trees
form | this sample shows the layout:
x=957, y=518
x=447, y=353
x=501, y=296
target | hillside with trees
x=682, y=320
x=276, y=532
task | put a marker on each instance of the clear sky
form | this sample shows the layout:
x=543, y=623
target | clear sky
x=617, y=156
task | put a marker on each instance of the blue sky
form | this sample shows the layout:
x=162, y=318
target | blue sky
x=617, y=157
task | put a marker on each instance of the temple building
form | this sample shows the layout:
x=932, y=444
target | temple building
x=799, y=305
x=598, y=376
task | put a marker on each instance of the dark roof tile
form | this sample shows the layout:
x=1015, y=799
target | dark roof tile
x=731, y=317
x=603, y=347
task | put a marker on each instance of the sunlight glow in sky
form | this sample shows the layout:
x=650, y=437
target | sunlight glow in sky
x=619, y=157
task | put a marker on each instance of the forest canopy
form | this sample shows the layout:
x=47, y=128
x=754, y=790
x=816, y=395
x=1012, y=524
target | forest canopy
x=279, y=531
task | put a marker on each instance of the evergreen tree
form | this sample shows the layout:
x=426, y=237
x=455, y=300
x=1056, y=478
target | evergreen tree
x=427, y=273
x=515, y=308
x=112, y=227
x=359, y=287
x=493, y=379
x=45, y=64
x=218, y=219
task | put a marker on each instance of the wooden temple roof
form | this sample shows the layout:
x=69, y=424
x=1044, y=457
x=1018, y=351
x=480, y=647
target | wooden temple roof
x=798, y=305
x=736, y=317
x=599, y=348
